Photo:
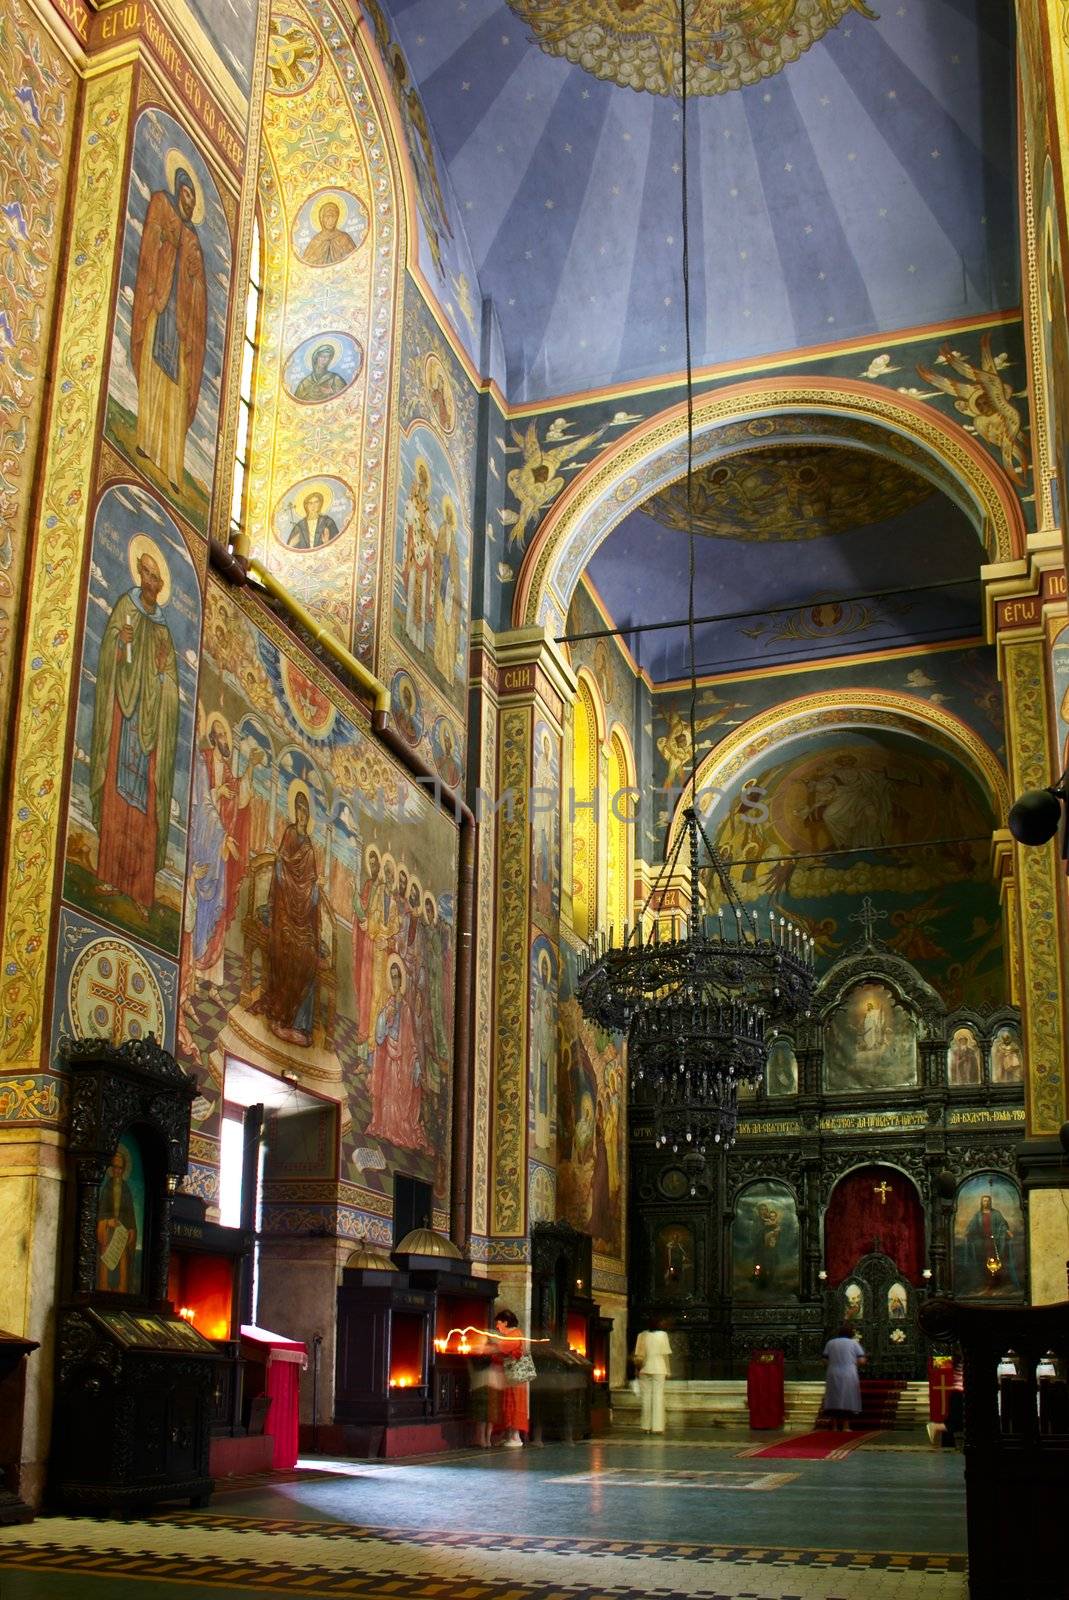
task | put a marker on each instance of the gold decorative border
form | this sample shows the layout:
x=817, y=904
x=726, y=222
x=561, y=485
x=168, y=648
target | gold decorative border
x=759, y=735
x=484, y=971
x=544, y=588
x=513, y=908
x=54, y=589
x=1042, y=467
x=1038, y=875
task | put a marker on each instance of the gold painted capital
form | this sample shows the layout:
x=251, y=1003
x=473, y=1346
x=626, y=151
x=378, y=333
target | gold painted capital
x=537, y=651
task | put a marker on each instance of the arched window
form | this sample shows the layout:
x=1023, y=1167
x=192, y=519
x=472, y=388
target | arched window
x=250, y=344
x=619, y=827
x=585, y=830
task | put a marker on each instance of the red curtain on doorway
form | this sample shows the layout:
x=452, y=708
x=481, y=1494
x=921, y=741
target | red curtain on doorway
x=862, y=1215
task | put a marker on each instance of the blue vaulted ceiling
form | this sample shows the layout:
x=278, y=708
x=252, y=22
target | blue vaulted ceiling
x=868, y=186
x=790, y=590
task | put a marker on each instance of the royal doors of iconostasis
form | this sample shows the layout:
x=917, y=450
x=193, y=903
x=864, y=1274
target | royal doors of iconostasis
x=875, y=1257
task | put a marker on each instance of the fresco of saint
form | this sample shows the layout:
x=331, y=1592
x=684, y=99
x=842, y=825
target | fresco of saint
x=397, y=1072
x=418, y=565
x=320, y=382
x=169, y=328
x=219, y=843
x=135, y=732
x=313, y=530
x=292, y=914
x=447, y=592
x=330, y=244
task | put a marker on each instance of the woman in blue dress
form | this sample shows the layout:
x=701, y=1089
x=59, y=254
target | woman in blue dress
x=842, y=1387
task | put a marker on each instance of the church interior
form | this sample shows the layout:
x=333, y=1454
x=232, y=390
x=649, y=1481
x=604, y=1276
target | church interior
x=532, y=588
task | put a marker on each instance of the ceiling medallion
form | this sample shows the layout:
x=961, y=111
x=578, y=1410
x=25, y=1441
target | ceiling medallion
x=636, y=43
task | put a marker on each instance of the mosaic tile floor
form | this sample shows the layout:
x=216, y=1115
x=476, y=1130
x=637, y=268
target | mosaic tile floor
x=615, y=1518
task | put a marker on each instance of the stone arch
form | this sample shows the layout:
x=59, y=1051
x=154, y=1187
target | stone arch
x=743, y=416
x=724, y=769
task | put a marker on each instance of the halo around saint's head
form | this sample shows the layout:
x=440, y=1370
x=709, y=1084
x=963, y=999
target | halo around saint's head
x=176, y=161
x=340, y=202
x=298, y=787
x=372, y=850
x=397, y=965
x=326, y=343
x=122, y=1159
x=320, y=487
x=449, y=510
x=142, y=545
x=415, y=888
x=421, y=471
x=217, y=720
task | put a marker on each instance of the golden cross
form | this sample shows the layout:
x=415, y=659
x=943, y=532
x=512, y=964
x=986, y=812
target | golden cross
x=883, y=1190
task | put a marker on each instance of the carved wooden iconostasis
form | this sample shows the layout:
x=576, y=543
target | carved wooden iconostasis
x=874, y=1167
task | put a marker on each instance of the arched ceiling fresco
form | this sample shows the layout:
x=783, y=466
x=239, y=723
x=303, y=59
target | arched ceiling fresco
x=789, y=493
x=860, y=525
x=636, y=43
x=857, y=178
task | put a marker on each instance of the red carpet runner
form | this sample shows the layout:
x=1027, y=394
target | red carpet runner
x=823, y=1445
x=879, y=1402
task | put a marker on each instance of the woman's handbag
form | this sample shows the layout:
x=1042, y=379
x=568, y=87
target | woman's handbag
x=519, y=1369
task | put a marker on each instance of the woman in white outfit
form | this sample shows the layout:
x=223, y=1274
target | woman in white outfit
x=652, y=1357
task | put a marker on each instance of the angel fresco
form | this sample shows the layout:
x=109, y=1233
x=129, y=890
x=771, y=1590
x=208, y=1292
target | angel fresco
x=986, y=398
x=675, y=747
x=537, y=481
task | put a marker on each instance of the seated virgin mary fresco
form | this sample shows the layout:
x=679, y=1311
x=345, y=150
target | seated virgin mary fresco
x=870, y=1042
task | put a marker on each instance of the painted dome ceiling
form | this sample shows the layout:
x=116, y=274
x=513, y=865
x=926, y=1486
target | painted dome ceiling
x=636, y=43
x=792, y=492
x=879, y=559
x=852, y=173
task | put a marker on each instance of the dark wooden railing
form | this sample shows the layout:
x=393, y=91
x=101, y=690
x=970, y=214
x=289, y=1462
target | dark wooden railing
x=1016, y=1444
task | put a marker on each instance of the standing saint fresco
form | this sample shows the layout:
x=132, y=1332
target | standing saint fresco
x=397, y=1073
x=135, y=733
x=418, y=565
x=292, y=914
x=219, y=843
x=447, y=592
x=439, y=977
x=364, y=927
x=168, y=332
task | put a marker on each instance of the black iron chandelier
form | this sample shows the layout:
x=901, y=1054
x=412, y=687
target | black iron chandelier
x=699, y=1010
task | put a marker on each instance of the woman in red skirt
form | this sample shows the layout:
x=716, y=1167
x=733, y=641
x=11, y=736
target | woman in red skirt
x=513, y=1410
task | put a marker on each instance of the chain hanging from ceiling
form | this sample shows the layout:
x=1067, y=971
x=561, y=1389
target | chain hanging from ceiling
x=700, y=1010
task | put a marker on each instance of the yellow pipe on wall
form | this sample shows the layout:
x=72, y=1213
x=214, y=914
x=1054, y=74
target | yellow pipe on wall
x=321, y=635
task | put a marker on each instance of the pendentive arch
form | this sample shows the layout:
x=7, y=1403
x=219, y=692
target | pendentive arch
x=752, y=415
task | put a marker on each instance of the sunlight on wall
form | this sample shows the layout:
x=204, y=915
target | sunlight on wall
x=619, y=831
x=585, y=829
